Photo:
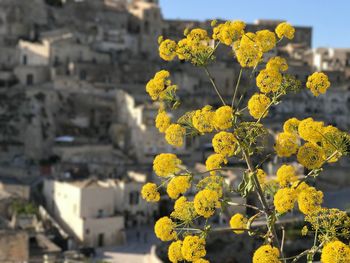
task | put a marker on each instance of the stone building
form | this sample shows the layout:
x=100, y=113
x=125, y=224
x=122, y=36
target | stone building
x=98, y=211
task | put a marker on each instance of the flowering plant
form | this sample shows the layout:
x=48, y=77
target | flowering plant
x=311, y=142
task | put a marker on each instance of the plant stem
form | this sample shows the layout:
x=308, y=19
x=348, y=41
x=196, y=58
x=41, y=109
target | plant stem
x=214, y=85
x=263, y=201
x=236, y=88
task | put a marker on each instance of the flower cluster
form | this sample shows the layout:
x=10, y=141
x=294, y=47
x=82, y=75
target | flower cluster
x=308, y=141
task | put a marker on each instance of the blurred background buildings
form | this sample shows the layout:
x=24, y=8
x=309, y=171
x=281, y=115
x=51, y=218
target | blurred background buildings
x=77, y=134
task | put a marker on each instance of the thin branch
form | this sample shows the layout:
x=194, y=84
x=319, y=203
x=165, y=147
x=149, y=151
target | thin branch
x=246, y=205
x=236, y=88
x=214, y=85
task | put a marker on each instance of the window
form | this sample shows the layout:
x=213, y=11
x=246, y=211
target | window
x=24, y=60
x=134, y=198
x=30, y=79
x=87, y=231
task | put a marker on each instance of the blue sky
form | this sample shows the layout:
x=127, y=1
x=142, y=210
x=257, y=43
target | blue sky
x=330, y=19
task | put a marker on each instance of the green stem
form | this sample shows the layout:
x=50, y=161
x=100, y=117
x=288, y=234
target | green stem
x=214, y=85
x=236, y=88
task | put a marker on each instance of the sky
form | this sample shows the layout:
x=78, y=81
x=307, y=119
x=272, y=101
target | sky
x=330, y=20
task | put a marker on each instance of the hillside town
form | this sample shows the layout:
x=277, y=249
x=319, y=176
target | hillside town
x=77, y=133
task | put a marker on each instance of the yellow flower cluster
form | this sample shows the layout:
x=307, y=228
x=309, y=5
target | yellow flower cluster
x=284, y=200
x=257, y=105
x=311, y=156
x=175, y=134
x=248, y=50
x=183, y=210
x=178, y=185
x=266, y=254
x=277, y=63
x=286, y=144
x=286, y=175
x=335, y=252
x=318, y=83
x=229, y=32
x=162, y=121
x=267, y=39
x=150, y=192
x=213, y=182
x=202, y=119
x=166, y=164
x=165, y=229
x=167, y=49
x=205, y=202
x=224, y=143
x=238, y=221
x=269, y=80
x=174, y=252
x=262, y=177
x=310, y=200
x=223, y=118
x=193, y=248
x=291, y=126
x=158, y=85
x=332, y=137
x=285, y=30
x=310, y=130
x=214, y=162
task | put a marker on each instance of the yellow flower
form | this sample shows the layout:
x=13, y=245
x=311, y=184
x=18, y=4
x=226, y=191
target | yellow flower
x=165, y=229
x=238, y=221
x=257, y=105
x=212, y=182
x=267, y=39
x=224, y=143
x=310, y=200
x=183, y=50
x=268, y=80
x=304, y=231
x=162, y=121
x=214, y=161
x=277, y=63
x=286, y=175
x=311, y=156
x=166, y=164
x=318, y=83
x=167, y=49
x=266, y=254
x=202, y=119
x=193, y=248
x=285, y=30
x=286, y=144
x=174, y=251
x=223, y=118
x=335, y=252
x=310, y=130
x=150, y=193
x=183, y=210
x=284, y=200
x=299, y=187
x=331, y=138
x=291, y=126
x=229, y=32
x=201, y=260
x=206, y=202
x=178, y=185
x=175, y=134
x=262, y=177
x=248, y=51
x=197, y=35
x=158, y=84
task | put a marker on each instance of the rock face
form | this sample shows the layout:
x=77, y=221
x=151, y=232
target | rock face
x=13, y=246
